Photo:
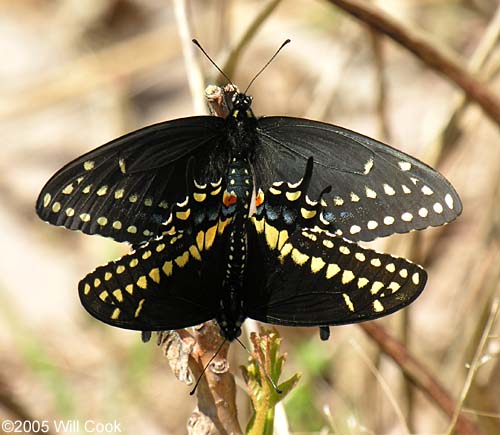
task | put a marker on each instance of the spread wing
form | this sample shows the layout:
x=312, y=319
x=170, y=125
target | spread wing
x=125, y=188
x=318, y=278
x=376, y=189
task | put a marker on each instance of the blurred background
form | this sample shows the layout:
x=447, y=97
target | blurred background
x=76, y=74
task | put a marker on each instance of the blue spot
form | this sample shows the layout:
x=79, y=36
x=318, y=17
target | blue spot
x=329, y=216
x=272, y=213
x=228, y=211
x=289, y=215
x=199, y=218
x=157, y=218
x=213, y=214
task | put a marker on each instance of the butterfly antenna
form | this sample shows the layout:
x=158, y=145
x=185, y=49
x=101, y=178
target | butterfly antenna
x=266, y=65
x=195, y=42
x=260, y=366
x=206, y=367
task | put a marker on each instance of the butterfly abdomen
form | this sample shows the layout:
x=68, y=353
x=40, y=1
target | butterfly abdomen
x=236, y=202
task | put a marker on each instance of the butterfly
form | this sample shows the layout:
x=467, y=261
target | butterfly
x=283, y=264
x=184, y=193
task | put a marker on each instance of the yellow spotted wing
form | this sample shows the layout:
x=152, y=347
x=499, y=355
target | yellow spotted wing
x=162, y=285
x=318, y=278
x=172, y=281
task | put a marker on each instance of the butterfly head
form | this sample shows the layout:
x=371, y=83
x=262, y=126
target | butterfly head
x=241, y=101
x=230, y=317
x=230, y=331
x=241, y=106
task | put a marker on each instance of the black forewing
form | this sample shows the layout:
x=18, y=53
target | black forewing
x=125, y=188
x=376, y=189
x=318, y=278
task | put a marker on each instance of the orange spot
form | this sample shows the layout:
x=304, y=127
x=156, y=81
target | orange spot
x=229, y=199
x=259, y=199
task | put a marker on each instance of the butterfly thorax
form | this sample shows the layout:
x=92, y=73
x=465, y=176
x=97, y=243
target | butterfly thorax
x=236, y=203
x=241, y=127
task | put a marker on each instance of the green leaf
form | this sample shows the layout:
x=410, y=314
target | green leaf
x=266, y=362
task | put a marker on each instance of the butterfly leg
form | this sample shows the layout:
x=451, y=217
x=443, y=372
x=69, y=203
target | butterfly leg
x=324, y=333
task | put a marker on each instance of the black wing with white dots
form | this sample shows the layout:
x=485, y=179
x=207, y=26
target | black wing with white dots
x=376, y=189
x=125, y=188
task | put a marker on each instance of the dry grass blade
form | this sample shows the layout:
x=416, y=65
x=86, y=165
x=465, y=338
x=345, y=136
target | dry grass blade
x=475, y=364
x=385, y=387
x=194, y=75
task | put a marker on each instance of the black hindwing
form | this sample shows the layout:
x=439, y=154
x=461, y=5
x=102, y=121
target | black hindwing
x=318, y=278
x=172, y=281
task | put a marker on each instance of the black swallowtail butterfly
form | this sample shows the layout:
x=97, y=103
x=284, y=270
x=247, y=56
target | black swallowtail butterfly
x=183, y=191
x=283, y=265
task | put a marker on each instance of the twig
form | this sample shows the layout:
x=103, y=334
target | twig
x=194, y=75
x=230, y=64
x=194, y=348
x=216, y=393
x=380, y=85
x=426, y=51
x=418, y=375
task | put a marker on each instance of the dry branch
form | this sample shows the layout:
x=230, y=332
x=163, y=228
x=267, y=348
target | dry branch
x=426, y=51
x=194, y=348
